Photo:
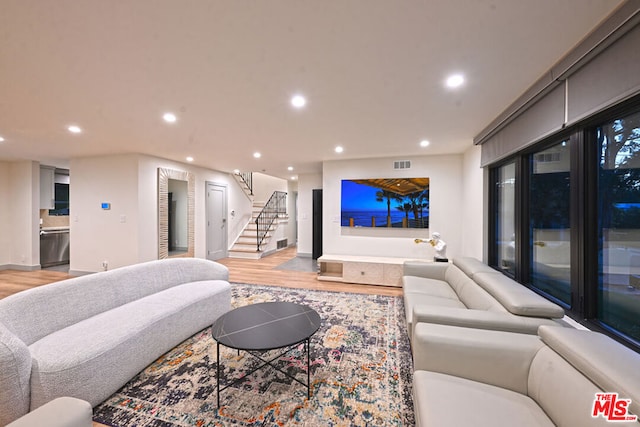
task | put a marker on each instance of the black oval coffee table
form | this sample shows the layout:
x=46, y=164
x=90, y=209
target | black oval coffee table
x=265, y=326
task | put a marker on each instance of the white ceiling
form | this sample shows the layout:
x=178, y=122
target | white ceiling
x=372, y=71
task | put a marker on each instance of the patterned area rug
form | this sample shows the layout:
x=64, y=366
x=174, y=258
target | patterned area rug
x=360, y=373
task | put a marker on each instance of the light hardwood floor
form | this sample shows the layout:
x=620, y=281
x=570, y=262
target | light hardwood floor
x=261, y=272
x=13, y=281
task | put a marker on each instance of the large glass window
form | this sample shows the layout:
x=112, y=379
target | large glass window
x=505, y=218
x=549, y=227
x=619, y=225
x=565, y=220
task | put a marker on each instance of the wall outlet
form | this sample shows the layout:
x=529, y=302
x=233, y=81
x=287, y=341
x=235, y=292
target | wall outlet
x=105, y=265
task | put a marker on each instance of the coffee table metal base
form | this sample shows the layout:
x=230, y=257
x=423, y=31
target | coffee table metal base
x=307, y=344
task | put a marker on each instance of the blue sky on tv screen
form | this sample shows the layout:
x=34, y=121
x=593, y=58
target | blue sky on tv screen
x=360, y=197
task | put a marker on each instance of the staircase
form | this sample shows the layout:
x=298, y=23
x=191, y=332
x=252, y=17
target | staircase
x=246, y=245
x=265, y=217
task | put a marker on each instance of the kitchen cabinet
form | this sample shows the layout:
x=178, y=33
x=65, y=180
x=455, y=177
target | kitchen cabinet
x=47, y=187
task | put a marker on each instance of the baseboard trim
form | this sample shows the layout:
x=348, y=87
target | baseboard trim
x=80, y=272
x=304, y=255
x=20, y=267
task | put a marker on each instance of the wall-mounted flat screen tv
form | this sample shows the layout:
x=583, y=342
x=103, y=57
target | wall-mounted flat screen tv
x=385, y=202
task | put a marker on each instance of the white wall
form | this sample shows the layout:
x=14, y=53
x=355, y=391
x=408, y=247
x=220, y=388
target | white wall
x=306, y=183
x=99, y=235
x=24, y=196
x=5, y=224
x=446, y=193
x=265, y=185
x=130, y=183
x=292, y=210
x=473, y=211
x=19, y=215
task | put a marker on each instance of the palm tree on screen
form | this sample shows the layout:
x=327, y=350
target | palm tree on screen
x=388, y=195
x=406, y=208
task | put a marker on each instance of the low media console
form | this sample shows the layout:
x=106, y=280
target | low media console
x=367, y=270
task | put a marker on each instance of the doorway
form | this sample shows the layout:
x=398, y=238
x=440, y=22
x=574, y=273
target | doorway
x=317, y=224
x=216, y=211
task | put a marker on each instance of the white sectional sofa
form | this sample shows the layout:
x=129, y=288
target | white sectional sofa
x=475, y=377
x=471, y=294
x=86, y=337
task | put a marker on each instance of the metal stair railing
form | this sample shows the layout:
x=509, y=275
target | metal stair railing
x=276, y=206
x=247, y=179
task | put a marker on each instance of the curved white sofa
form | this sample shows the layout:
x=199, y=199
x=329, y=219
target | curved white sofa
x=86, y=337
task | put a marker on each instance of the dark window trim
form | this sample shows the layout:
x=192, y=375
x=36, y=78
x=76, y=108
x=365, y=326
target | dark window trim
x=494, y=176
x=521, y=211
x=492, y=227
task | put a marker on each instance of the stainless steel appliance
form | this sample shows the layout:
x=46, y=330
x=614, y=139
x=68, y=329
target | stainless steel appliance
x=54, y=247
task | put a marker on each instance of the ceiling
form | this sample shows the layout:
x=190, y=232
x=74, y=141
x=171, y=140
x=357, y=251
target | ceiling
x=372, y=71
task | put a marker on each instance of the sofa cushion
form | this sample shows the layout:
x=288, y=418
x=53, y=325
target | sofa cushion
x=456, y=278
x=517, y=298
x=432, y=270
x=433, y=287
x=65, y=362
x=470, y=266
x=60, y=412
x=413, y=299
x=443, y=400
x=562, y=391
x=611, y=366
x=473, y=296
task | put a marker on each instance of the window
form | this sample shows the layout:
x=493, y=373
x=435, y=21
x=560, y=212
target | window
x=618, y=294
x=565, y=220
x=549, y=226
x=505, y=218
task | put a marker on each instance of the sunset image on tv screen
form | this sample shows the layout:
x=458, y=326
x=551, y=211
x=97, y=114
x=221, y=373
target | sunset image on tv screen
x=385, y=202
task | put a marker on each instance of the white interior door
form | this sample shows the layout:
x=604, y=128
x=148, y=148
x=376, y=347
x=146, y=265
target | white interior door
x=216, y=221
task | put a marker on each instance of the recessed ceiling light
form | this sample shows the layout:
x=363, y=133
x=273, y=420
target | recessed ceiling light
x=169, y=117
x=339, y=149
x=189, y=159
x=74, y=129
x=455, y=80
x=290, y=168
x=424, y=143
x=1, y=139
x=298, y=101
x=257, y=155
x=293, y=178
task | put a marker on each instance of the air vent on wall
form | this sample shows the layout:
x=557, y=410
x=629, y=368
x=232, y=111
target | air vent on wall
x=402, y=164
